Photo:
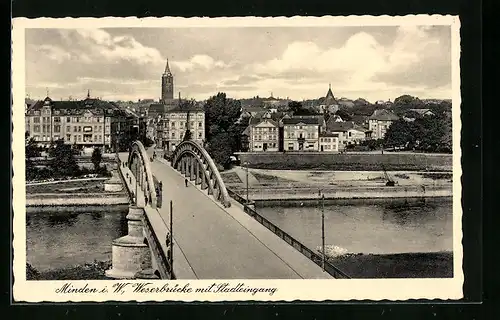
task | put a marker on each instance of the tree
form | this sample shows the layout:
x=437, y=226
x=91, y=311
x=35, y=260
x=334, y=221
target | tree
x=96, y=158
x=400, y=133
x=32, y=149
x=298, y=109
x=222, y=130
x=63, y=162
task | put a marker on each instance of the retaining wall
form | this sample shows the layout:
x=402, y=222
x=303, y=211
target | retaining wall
x=348, y=162
x=347, y=193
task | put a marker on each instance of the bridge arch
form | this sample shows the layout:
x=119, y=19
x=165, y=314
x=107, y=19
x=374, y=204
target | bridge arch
x=194, y=162
x=140, y=166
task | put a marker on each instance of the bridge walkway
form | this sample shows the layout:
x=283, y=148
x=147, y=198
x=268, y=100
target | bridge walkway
x=225, y=243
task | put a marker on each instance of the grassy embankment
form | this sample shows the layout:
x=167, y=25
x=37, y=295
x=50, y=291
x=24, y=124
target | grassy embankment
x=88, y=271
x=367, y=266
x=87, y=186
x=401, y=265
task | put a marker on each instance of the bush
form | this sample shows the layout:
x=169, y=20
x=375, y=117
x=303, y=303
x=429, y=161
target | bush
x=31, y=272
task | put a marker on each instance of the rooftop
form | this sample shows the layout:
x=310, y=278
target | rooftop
x=304, y=120
x=383, y=115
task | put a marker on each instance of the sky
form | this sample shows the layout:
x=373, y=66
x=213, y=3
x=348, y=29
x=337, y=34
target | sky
x=374, y=63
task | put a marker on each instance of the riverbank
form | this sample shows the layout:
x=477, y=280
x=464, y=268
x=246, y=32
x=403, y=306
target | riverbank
x=276, y=196
x=87, y=271
x=281, y=185
x=84, y=192
x=359, y=266
x=401, y=265
x=75, y=200
x=410, y=201
x=347, y=161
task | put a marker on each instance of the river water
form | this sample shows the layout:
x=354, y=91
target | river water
x=378, y=226
x=61, y=239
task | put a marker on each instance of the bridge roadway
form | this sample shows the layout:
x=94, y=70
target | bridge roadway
x=223, y=243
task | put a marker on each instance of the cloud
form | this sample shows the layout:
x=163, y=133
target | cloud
x=373, y=63
x=96, y=45
x=413, y=57
x=54, y=53
x=199, y=61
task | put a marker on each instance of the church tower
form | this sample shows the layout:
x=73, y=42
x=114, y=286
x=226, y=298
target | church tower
x=167, y=85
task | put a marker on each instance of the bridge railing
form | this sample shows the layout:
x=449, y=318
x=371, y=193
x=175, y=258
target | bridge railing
x=146, y=180
x=209, y=172
x=163, y=259
x=313, y=256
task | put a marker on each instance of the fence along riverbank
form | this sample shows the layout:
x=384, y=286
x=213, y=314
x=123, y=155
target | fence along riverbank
x=315, y=257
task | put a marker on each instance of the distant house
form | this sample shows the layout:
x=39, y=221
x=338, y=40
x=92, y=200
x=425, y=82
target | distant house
x=328, y=142
x=248, y=111
x=301, y=133
x=423, y=112
x=329, y=103
x=336, y=118
x=380, y=121
x=347, y=132
x=180, y=119
x=263, y=134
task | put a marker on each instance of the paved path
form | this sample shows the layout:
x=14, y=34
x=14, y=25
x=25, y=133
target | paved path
x=221, y=243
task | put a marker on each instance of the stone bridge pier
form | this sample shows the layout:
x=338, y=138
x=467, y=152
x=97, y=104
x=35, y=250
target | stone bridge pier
x=138, y=255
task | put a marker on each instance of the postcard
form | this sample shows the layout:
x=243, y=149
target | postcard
x=237, y=159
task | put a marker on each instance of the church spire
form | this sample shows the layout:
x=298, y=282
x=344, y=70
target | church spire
x=88, y=93
x=167, y=68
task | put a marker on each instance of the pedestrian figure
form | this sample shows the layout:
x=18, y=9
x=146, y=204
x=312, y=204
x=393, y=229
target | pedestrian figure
x=186, y=182
x=145, y=200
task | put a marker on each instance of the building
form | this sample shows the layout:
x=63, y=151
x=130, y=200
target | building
x=167, y=86
x=329, y=103
x=379, y=122
x=181, y=118
x=328, y=142
x=422, y=112
x=85, y=123
x=347, y=132
x=263, y=134
x=301, y=133
x=252, y=111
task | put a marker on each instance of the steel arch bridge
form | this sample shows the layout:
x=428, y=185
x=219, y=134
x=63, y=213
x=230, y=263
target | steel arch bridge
x=190, y=159
x=194, y=162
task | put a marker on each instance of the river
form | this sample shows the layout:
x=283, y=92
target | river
x=379, y=226
x=62, y=239
x=59, y=239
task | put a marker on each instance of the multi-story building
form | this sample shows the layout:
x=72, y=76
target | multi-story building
x=347, y=132
x=178, y=120
x=85, y=123
x=328, y=142
x=379, y=122
x=263, y=134
x=301, y=133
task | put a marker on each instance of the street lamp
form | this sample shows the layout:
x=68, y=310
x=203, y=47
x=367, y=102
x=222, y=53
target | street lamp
x=246, y=167
x=323, y=228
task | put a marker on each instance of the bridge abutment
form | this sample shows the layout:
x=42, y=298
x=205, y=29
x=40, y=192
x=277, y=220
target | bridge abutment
x=130, y=254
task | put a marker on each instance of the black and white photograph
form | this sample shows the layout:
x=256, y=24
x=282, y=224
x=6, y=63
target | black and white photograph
x=218, y=159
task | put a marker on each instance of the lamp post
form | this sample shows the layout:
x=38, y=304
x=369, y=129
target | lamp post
x=246, y=168
x=323, y=229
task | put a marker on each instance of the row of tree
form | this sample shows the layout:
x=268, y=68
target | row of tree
x=62, y=162
x=430, y=134
x=222, y=129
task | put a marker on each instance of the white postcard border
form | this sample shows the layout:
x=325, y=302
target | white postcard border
x=286, y=290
